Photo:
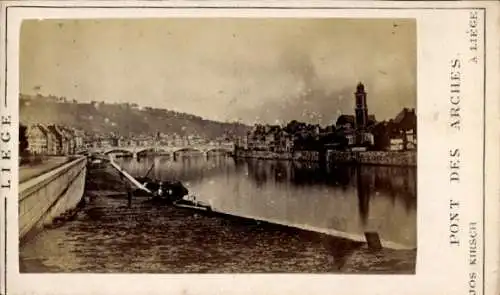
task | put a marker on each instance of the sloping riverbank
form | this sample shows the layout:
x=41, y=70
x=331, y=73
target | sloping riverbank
x=109, y=236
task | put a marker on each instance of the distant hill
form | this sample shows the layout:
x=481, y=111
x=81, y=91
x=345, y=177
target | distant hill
x=120, y=119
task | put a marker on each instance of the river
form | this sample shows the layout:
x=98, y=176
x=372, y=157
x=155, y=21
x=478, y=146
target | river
x=344, y=201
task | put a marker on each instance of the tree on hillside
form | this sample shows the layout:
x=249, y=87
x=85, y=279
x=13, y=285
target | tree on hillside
x=122, y=120
x=23, y=140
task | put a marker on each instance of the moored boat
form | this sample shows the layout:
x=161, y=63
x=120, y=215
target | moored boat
x=169, y=191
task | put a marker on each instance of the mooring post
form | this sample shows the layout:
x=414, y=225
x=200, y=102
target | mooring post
x=373, y=241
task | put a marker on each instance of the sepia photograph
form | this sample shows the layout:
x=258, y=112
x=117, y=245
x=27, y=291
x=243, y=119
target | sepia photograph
x=218, y=145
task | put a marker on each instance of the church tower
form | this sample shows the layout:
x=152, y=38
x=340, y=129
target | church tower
x=361, y=109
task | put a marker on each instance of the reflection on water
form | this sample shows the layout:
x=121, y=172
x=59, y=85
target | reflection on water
x=341, y=200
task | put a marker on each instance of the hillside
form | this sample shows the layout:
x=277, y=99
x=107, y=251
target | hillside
x=122, y=119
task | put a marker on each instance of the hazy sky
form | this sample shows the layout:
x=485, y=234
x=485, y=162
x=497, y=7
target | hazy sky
x=226, y=69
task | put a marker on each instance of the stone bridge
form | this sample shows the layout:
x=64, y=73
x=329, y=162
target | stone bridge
x=165, y=150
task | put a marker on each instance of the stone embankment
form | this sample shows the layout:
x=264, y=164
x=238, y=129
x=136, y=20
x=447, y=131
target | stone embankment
x=50, y=196
x=406, y=158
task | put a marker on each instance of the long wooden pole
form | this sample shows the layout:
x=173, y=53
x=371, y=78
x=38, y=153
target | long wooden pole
x=129, y=177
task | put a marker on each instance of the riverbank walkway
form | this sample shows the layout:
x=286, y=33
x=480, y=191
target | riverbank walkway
x=27, y=172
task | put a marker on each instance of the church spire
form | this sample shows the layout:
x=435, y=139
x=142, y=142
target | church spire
x=361, y=109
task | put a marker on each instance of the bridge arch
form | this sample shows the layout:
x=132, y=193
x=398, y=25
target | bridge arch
x=187, y=150
x=151, y=150
x=116, y=151
x=218, y=150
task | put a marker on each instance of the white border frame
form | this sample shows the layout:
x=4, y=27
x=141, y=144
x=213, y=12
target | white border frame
x=439, y=268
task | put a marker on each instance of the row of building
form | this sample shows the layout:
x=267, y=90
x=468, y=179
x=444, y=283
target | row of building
x=61, y=140
x=380, y=136
x=53, y=140
x=395, y=134
x=359, y=131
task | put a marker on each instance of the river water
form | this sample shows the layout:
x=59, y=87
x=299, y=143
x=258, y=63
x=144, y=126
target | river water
x=344, y=201
x=110, y=235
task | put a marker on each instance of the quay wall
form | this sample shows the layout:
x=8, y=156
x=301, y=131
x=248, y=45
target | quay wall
x=399, y=158
x=47, y=196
